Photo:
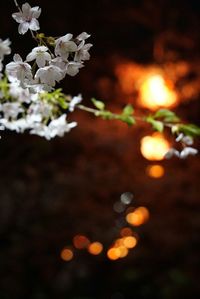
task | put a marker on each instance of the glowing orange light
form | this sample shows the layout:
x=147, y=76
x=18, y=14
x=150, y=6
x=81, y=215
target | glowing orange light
x=126, y=231
x=66, y=254
x=130, y=242
x=95, y=248
x=81, y=242
x=113, y=253
x=118, y=242
x=138, y=217
x=127, y=74
x=154, y=147
x=123, y=251
x=155, y=171
x=155, y=93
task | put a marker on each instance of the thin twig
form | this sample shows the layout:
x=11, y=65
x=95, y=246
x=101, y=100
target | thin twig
x=17, y=5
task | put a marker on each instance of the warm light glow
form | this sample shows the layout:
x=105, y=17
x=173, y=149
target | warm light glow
x=118, y=242
x=126, y=231
x=95, y=248
x=66, y=254
x=113, y=253
x=154, y=147
x=130, y=242
x=155, y=92
x=155, y=171
x=81, y=242
x=123, y=251
x=138, y=217
x=127, y=74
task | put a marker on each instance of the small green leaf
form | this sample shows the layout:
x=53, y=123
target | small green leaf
x=4, y=88
x=163, y=113
x=106, y=114
x=128, y=110
x=98, y=104
x=190, y=130
x=62, y=103
x=156, y=124
x=167, y=115
x=130, y=120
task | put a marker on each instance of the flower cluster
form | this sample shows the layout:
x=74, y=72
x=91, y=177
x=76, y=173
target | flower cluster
x=187, y=149
x=4, y=50
x=27, y=100
x=48, y=67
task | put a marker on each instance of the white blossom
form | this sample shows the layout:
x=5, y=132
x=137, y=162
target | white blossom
x=4, y=48
x=19, y=125
x=35, y=87
x=188, y=140
x=82, y=52
x=64, y=46
x=41, y=130
x=33, y=119
x=57, y=127
x=75, y=101
x=1, y=67
x=58, y=61
x=49, y=75
x=19, y=70
x=73, y=67
x=22, y=95
x=44, y=110
x=27, y=18
x=187, y=151
x=83, y=36
x=39, y=54
x=11, y=110
x=171, y=153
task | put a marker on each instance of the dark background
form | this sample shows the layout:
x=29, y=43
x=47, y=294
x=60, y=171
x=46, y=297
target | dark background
x=50, y=191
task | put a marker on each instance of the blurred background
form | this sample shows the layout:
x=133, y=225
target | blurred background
x=67, y=230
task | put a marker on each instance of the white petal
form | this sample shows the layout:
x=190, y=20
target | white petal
x=23, y=27
x=31, y=56
x=64, y=38
x=36, y=11
x=188, y=151
x=34, y=25
x=47, y=56
x=40, y=60
x=17, y=16
x=70, y=46
x=17, y=58
x=83, y=36
x=171, y=152
x=26, y=9
x=41, y=49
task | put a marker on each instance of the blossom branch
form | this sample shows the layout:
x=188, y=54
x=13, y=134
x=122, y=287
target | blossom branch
x=29, y=100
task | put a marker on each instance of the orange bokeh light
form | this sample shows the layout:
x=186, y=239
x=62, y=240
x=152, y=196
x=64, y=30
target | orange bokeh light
x=123, y=251
x=126, y=231
x=66, y=254
x=155, y=92
x=95, y=248
x=130, y=242
x=113, y=253
x=155, y=171
x=154, y=147
x=138, y=217
x=150, y=82
x=81, y=242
